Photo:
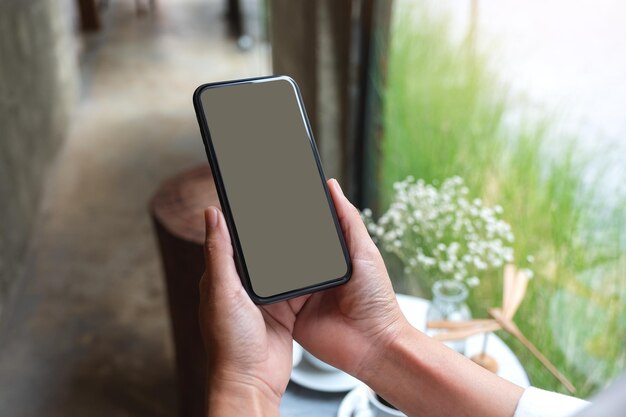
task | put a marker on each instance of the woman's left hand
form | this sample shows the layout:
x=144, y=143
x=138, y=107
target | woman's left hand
x=249, y=348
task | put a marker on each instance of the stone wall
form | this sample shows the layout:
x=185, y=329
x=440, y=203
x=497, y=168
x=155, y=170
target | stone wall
x=38, y=78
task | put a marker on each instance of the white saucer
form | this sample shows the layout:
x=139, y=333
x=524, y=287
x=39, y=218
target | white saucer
x=309, y=376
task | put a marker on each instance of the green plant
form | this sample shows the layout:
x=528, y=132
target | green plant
x=447, y=114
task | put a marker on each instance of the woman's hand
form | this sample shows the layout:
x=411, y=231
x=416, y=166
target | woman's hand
x=348, y=326
x=248, y=347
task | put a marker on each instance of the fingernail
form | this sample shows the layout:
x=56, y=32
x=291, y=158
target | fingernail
x=338, y=186
x=212, y=216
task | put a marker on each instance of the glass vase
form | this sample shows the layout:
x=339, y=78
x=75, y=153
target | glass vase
x=448, y=303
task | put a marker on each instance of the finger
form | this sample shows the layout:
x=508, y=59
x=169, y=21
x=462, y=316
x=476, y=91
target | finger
x=220, y=272
x=356, y=234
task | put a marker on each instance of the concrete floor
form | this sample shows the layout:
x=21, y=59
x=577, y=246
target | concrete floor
x=88, y=334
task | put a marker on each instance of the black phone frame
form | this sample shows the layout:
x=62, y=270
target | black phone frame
x=223, y=197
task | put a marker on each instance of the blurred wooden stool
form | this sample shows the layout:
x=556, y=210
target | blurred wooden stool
x=177, y=211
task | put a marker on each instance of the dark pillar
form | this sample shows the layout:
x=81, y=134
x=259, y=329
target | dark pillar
x=334, y=50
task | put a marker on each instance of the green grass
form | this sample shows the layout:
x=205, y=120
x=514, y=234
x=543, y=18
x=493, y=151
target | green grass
x=446, y=113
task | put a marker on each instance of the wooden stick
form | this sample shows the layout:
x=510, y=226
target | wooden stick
x=465, y=333
x=512, y=328
x=519, y=290
x=507, y=287
x=447, y=324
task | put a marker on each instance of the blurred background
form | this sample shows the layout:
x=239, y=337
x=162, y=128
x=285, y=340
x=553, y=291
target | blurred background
x=525, y=102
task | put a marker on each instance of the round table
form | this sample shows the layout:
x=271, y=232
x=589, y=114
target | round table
x=299, y=401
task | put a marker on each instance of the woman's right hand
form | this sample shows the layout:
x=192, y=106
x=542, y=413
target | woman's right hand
x=350, y=325
x=358, y=327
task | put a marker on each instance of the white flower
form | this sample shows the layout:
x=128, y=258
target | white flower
x=439, y=231
x=473, y=281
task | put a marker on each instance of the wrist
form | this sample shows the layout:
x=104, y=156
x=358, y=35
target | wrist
x=232, y=393
x=384, y=348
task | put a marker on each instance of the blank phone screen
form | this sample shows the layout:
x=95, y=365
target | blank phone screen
x=273, y=185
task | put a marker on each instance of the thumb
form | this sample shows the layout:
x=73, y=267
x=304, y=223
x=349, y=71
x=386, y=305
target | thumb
x=360, y=244
x=220, y=271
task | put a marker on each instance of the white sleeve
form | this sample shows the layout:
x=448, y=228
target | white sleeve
x=536, y=402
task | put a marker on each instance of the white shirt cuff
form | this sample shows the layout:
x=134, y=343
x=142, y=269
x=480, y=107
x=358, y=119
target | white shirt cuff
x=536, y=402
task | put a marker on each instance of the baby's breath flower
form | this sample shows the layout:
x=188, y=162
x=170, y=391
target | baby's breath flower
x=442, y=231
x=473, y=281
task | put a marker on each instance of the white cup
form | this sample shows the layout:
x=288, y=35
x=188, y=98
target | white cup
x=318, y=363
x=379, y=409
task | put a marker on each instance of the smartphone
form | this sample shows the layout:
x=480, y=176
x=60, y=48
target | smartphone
x=281, y=218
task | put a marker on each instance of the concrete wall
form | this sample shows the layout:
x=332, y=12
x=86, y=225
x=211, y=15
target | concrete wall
x=38, y=78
